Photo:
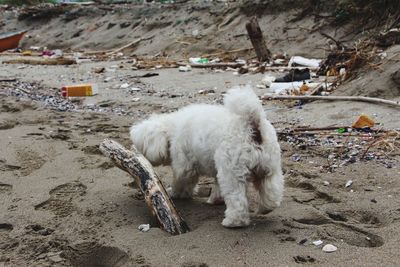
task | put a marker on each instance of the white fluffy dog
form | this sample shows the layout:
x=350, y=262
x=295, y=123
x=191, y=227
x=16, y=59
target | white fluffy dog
x=233, y=142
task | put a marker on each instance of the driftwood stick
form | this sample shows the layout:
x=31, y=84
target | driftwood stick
x=257, y=40
x=333, y=98
x=125, y=46
x=228, y=52
x=114, y=51
x=147, y=180
x=213, y=65
x=47, y=61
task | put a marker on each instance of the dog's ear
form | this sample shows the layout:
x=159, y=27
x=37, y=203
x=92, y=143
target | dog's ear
x=256, y=133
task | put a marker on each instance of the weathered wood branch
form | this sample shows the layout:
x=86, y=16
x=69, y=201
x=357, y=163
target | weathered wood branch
x=257, y=40
x=213, y=65
x=46, y=61
x=157, y=199
x=333, y=98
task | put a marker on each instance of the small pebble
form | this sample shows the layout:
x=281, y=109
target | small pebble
x=349, y=183
x=328, y=248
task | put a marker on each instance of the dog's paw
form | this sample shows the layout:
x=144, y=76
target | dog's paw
x=181, y=195
x=236, y=222
x=216, y=201
x=267, y=207
x=264, y=210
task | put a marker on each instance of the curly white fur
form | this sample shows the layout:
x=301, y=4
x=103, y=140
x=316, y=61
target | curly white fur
x=233, y=142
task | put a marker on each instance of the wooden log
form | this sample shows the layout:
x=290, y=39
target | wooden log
x=157, y=199
x=257, y=40
x=333, y=98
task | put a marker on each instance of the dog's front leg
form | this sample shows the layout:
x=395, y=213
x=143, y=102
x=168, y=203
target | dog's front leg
x=233, y=190
x=270, y=192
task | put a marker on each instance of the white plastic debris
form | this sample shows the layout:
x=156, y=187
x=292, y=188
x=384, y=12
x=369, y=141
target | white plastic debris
x=240, y=61
x=195, y=33
x=124, y=85
x=134, y=89
x=185, y=68
x=144, y=227
x=57, y=53
x=136, y=99
x=279, y=61
x=34, y=48
x=317, y=242
x=304, y=61
x=348, y=183
x=328, y=248
x=267, y=80
x=279, y=88
x=326, y=183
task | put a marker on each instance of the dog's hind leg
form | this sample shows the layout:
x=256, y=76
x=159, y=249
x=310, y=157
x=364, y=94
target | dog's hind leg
x=270, y=192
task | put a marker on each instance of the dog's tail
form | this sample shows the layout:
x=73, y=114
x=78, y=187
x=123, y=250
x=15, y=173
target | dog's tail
x=151, y=138
x=245, y=103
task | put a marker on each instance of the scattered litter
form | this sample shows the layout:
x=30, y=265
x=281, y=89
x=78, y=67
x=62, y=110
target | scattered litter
x=195, y=33
x=363, y=122
x=124, y=85
x=296, y=157
x=348, y=183
x=206, y=92
x=27, y=53
x=303, y=241
x=295, y=75
x=147, y=75
x=282, y=87
x=326, y=183
x=134, y=89
x=199, y=60
x=240, y=61
x=136, y=99
x=267, y=80
x=374, y=200
x=304, y=88
x=79, y=90
x=328, y=248
x=185, y=68
x=297, y=60
x=317, y=242
x=144, y=227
